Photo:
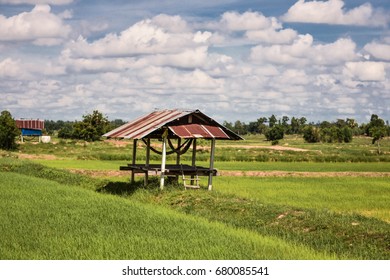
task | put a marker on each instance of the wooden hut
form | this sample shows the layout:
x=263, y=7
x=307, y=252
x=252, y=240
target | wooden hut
x=185, y=126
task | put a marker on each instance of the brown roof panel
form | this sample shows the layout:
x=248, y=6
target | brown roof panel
x=182, y=123
x=31, y=124
x=216, y=131
x=145, y=125
x=198, y=131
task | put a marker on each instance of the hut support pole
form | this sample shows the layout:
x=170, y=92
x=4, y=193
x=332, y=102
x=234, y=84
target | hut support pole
x=164, y=159
x=194, y=153
x=178, y=157
x=193, y=158
x=134, y=158
x=212, y=155
x=146, y=179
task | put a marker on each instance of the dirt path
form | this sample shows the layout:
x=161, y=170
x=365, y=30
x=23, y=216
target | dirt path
x=303, y=174
x=114, y=173
x=276, y=147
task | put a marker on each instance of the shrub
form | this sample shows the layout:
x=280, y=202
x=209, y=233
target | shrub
x=8, y=131
x=275, y=133
x=311, y=134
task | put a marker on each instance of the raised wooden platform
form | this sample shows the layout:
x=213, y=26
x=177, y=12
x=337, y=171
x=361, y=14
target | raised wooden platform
x=170, y=169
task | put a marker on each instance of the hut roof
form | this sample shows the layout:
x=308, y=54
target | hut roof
x=180, y=124
x=30, y=124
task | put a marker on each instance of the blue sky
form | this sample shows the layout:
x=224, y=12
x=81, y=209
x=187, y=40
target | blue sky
x=233, y=60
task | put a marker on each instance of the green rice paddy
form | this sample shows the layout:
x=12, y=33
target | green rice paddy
x=48, y=212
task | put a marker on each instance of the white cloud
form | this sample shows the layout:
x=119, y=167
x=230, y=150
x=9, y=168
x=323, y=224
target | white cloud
x=143, y=38
x=366, y=70
x=333, y=12
x=378, y=50
x=40, y=26
x=10, y=68
x=303, y=51
x=272, y=36
x=167, y=61
x=234, y=21
x=255, y=26
x=37, y=2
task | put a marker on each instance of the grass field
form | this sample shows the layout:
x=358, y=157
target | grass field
x=368, y=196
x=255, y=148
x=337, y=207
x=47, y=220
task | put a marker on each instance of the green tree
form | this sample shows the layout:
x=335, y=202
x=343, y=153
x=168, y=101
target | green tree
x=66, y=131
x=311, y=134
x=285, y=124
x=347, y=133
x=295, y=127
x=262, y=127
x=8, y=131
x=275, y=134
x=272, y=121
x=92, y=127
x=376, y=129
x=239, y=127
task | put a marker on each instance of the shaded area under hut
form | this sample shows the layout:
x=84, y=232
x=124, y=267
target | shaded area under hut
x=182, y=126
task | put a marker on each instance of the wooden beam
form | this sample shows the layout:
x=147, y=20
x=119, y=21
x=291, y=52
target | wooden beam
x=164, y=158
x=134, y=158
x=178, y=156
x=212, y=155
x=194, y=152
x=146, y=179
x=193, y=158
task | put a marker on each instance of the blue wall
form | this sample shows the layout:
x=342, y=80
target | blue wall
x=31, y=132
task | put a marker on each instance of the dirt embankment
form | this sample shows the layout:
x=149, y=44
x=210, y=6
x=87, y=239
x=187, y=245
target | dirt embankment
x=114, y=173
x=303, y=174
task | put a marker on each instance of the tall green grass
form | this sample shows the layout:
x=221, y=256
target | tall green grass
x=287, y=213
x=369, y=196
x=42, y=219
x=348, y=236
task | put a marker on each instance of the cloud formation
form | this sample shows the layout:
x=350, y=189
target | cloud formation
x=37, y=2
x=39, y=26
x=333, y=12
x=237, y=65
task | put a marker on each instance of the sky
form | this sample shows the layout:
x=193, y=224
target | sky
x=231, y=59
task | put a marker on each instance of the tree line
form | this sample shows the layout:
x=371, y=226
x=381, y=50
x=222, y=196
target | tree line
x=339, y=131
x=95, y=124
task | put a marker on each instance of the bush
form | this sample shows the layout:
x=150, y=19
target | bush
x=275, y=133
x=8, y=131
x=311, y=134
x=329, y=134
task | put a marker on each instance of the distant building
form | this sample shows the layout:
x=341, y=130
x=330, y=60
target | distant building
x=30, y=127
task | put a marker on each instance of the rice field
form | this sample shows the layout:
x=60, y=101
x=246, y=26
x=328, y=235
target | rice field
x=47, y=220
x=329, y=201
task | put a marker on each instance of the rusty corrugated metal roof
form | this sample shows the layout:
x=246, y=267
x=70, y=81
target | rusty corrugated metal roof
x=181, y=124
x=31, y=124
x=198, y=131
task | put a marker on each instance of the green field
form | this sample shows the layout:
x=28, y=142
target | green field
x=362, y=195
x=42, y=219
x=331, y=202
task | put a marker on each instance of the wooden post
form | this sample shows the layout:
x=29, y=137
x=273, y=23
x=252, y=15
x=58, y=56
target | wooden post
x=134, y=158
x=194, y=153
x=146, y=179
x=193, y=158
x=178, y=157
x=212, y=155
x=164, y=158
